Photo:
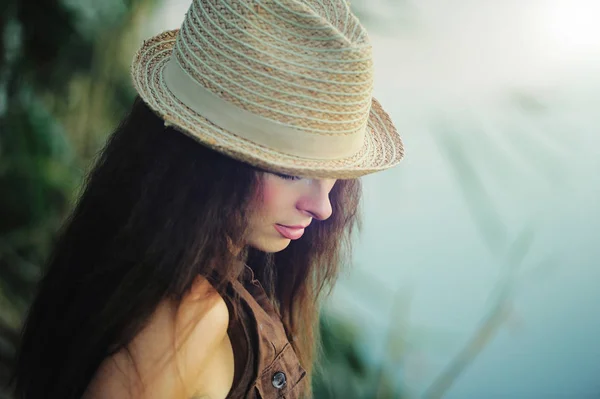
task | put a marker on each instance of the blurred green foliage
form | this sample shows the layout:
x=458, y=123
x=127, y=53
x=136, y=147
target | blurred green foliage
x=344, y=371
x=59, y=97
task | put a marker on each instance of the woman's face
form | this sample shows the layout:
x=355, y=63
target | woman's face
x=287, y=206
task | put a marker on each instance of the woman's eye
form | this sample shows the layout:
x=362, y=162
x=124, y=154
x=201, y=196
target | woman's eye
x=287, y=177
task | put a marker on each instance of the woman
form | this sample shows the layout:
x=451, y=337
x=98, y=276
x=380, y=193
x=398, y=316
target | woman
x=217, y=214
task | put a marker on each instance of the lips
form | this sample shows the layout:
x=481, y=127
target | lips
x=290, y=232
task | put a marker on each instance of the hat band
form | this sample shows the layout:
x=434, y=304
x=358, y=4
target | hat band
x=256, y=128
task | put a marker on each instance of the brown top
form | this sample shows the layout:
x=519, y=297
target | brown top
x=266, y=366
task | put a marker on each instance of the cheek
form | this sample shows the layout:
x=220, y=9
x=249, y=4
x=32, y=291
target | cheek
x=269, y=194
x=268, y=201
x=274, y=200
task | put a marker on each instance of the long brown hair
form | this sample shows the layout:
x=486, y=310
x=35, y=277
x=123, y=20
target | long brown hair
x=156, y=210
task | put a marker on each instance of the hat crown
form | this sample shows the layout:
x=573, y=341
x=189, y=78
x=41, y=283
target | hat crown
x=306, y=65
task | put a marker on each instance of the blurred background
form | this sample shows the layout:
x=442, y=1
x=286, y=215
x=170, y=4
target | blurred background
x=476, y=274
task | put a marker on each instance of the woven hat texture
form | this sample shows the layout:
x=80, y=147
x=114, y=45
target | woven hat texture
x=284, y=85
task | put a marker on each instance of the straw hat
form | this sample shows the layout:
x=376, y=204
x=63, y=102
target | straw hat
x=284, y=85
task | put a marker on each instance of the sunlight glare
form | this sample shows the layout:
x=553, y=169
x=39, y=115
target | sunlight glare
x=571, y=26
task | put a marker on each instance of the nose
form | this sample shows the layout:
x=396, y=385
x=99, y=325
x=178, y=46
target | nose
x=316, y=202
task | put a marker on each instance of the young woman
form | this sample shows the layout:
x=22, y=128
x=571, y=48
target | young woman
x=217, y=214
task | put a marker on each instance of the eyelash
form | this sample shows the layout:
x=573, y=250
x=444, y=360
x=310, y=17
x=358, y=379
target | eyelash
x=287, y=177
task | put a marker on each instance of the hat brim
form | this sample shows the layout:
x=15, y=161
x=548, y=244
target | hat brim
x=382, y=148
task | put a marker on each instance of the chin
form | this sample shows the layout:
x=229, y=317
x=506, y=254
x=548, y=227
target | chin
x=271, y=246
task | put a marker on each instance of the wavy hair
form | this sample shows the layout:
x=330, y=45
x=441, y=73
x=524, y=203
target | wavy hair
x=156, y=210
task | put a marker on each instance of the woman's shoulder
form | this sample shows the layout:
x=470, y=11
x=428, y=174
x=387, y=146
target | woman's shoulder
x=201, y=307
x=201, y=322
x=168, y=356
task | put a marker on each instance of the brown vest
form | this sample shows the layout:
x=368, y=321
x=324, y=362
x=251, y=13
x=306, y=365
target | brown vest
x=266, y=366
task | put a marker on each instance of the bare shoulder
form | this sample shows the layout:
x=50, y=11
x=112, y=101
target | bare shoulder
x=202, y=306
x=167, y=358
x=201, y=323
